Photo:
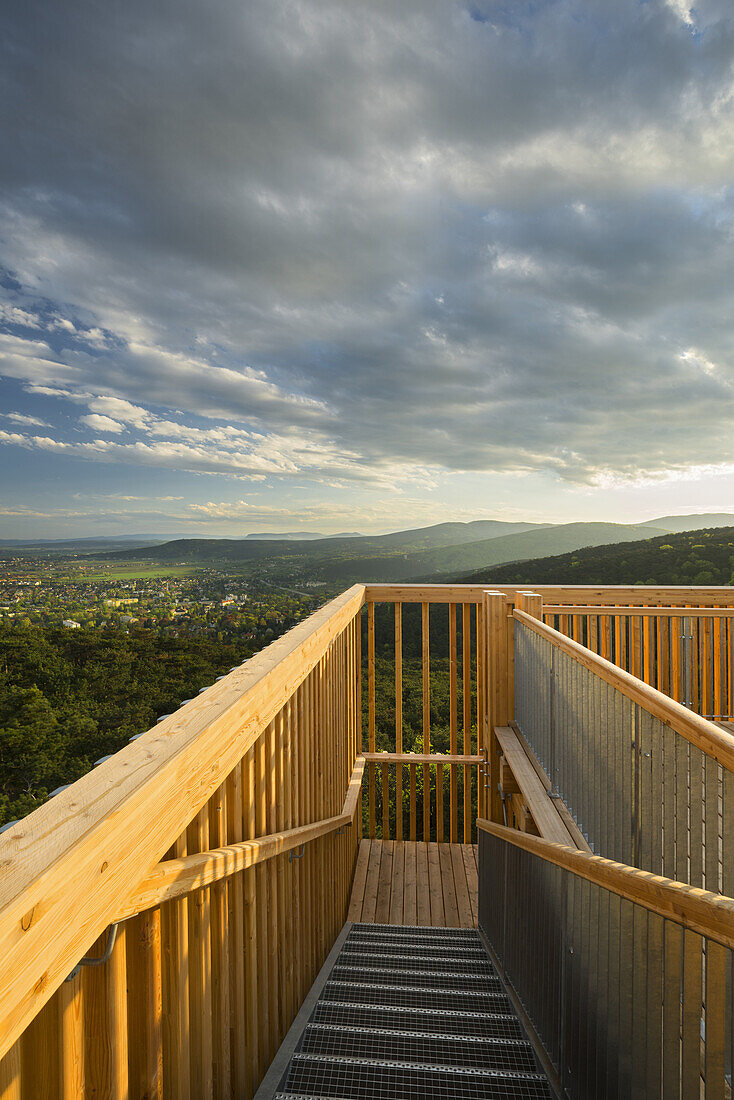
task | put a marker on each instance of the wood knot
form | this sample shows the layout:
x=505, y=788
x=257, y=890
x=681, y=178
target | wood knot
x=26, y=921
x=41, y=984
x=104, y=867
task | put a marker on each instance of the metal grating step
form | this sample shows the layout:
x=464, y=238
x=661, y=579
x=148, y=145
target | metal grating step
x=417, y=997
x=402, y=931
x=408, y=961
x=360, y=1079
x=415, y=1046
x=431, y=1020
x=398, y=946
x=443, y=979
x=403, y=1013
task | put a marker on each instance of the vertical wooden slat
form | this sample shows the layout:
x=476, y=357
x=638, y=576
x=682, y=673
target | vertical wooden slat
x=466, y=701
x=273, y=914
x=39, y=1047
x=453, y=730
x=175, y=972
x=71, y=1031
x=715, y=1057
x=412, y=780
x=398, y=719
x=261, y=909
x=385, y=801
x=249, y=830
x=145, y=1005
x=200, y=970
x=371, y=709
x=10, y=1074
x=425, y=638
x=497, y=700
x=237, y=994
x=439, y=802
x=105, y=1023
x=221, y=960
x=691, y=1028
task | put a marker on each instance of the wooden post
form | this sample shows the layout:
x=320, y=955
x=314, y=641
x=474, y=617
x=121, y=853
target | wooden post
x=145, y=1006
x=175, y=967
x=496, y=710
x=10, y=1074
x=398, y=719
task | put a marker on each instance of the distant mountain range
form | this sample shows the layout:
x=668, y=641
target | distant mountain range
x=442, y=550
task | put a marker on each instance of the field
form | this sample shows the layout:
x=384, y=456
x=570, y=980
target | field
x=135, y=572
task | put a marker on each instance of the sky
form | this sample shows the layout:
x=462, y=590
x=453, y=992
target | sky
x=292, y=265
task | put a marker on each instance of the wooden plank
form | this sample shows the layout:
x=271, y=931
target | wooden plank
x=543, y=808
x=420, y=758
x=426, y=669
x=413, y=783
x=71, y=1031
x=146, y=1005
x=369, y=906
x=360, y=881
x=200, y=971
x=410, y=912
x=10, y=1075
x=472, y=880
x=448, y=887
x=707, y=736
x=579, y=596
x=249, y=825
x=435, y=889
x=175, y=992
x=220, y=955
x=384, y=887
x=463, y=901
x=135, y=805
x=397, y=900
x=423, y=893
x=701, y=911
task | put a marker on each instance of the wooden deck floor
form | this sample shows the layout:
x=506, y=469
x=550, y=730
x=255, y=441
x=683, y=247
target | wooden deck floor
x=408, y=882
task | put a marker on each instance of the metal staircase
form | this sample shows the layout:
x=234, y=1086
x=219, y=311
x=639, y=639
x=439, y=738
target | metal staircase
x=409, y=1012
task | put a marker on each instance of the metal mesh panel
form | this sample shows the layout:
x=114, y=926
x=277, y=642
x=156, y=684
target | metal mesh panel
x=639, y=791
x=625, y=1002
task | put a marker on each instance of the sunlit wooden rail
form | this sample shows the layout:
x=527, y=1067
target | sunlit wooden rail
x=214, y=858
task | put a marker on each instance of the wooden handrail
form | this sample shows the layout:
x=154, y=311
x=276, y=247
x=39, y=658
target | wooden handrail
x=173, y=878
x=702, y=911
x=419, y=758
x=68, y=866
x=632, y=609
x=706, y=736
x=586, y=594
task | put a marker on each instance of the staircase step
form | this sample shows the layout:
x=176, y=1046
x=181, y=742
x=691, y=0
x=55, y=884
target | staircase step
x=394, y=946
x=405, y=960
x=435, y=979
x=436, y=1021
x=357, y=1078
x=417, y=996
x=382, y=1044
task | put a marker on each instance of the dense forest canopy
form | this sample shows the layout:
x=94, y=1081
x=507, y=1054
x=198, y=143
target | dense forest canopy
x=693, y=557
x=69, y=697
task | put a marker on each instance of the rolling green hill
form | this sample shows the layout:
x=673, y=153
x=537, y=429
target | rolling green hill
x=692, y=557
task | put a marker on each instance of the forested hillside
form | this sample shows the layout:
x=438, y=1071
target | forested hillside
x=69, y=697
x=694, y=557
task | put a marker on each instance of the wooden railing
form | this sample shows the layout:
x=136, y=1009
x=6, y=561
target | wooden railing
x=623, y=975
x=427, y=646
x=208, y=865
x=249, y=795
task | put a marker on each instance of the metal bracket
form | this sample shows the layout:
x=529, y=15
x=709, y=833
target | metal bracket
x=292, y=856
x=341, y=830
x=97, y=960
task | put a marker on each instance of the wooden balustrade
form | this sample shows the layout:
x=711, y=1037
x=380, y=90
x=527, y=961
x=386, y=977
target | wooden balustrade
x=430, y=644
x=250, y=793
x=222, y=843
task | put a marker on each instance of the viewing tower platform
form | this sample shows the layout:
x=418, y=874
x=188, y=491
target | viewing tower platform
x=434, y=841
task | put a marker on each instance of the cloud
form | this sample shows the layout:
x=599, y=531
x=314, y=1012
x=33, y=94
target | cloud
x=377, y=243
x=102, y=423
x=22, y=418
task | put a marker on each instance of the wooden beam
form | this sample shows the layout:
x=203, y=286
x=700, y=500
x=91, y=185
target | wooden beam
x=535, y=796
x=175, y=877
x=419, y=758
x=702, y=911
x=711, y=739
x=578, y=594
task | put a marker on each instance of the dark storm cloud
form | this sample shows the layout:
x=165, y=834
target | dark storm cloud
x=488, y=236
